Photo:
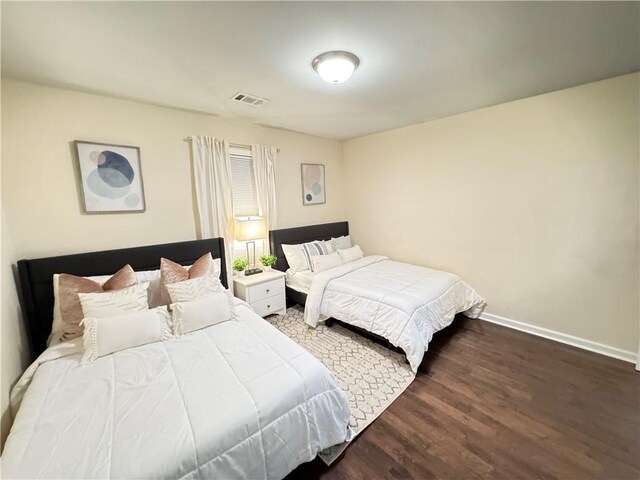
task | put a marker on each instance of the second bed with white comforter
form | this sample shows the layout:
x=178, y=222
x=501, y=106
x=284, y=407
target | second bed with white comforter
x=402, y=303
x=234, y=400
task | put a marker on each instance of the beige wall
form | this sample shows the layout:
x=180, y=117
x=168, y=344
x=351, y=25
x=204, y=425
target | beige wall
x=40, y=199
x=534, y=202
x=14, y=352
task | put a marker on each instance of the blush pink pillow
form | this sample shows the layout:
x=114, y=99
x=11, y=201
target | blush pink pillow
x=69, y=286
x=172, y=272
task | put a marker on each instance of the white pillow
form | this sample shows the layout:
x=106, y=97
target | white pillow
x=201, y=313
x=325, y=262
x=341, y=243
x=57, y=328
x=116, y=302
x=194, y=289
x=105, y=335
x=154, y=293
x=329, y=246
x=295, y=257
x=350, y=254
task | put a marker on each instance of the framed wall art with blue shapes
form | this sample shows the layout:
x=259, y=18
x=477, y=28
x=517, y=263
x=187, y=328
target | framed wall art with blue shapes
x=313, y=189
x=111, y=178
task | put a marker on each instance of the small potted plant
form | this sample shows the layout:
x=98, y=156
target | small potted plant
x=268, y=261
x=239, y=265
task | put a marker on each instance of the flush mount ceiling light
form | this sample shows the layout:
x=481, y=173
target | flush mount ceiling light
x=335, y=67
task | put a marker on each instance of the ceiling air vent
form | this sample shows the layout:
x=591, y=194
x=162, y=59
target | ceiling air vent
x=249, y=99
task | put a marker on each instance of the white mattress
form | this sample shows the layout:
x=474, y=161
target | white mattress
x=402, y=303
x=300, y=281
x=235, y=400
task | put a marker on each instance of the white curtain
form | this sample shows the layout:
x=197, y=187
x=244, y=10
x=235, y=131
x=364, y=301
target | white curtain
x=212, y=171
x=264, y=167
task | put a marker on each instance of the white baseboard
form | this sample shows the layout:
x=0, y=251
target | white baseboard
x=596, y=347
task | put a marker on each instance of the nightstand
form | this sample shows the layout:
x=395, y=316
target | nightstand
x=263, y=291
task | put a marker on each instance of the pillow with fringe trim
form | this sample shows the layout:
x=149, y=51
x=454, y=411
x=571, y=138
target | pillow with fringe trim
x=105, y=335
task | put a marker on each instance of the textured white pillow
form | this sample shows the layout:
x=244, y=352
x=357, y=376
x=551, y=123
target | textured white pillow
x=201, y=313
x=194, y=289
x=341, y=243
x=296, y=258
x=154, y=293
x=105, y=335
x=116, y=302
x=325, y=262
x=351, y=254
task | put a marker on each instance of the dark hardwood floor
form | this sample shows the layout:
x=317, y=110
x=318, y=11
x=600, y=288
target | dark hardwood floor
x=492, y=402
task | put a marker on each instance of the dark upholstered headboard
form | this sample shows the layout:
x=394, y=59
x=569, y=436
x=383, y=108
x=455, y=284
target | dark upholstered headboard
x=36, y=276
x=292, y=236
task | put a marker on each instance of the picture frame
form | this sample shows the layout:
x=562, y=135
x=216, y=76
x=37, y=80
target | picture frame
x=110, y=178
x=313, y=183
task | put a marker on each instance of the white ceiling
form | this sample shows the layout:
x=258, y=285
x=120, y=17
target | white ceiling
x=419, y=61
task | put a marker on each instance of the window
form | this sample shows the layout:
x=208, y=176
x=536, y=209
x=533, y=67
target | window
x=245, y=199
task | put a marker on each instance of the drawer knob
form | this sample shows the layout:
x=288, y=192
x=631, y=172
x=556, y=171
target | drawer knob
x=267, y=290
x=268, y=306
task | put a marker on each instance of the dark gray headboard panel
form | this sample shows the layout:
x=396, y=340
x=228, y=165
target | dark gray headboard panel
x=36, y=276
x=292, y=236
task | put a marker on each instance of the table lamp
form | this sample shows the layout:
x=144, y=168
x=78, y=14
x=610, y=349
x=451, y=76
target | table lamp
x=250, y=229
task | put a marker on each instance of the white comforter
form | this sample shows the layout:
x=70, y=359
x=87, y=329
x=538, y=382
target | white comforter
x=235, y=400
x=403, y=303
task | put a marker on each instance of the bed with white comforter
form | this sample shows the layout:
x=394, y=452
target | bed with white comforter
x=234, y=400
x=405, y=304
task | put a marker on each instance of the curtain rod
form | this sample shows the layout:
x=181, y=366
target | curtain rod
x=237, y=145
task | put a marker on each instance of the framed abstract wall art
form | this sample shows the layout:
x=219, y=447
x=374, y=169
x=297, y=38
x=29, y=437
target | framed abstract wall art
x=313, y=188
x=111, y=178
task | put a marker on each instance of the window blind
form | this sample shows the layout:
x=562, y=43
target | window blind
x=245, y=199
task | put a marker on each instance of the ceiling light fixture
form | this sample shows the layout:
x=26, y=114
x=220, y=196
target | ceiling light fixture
x=336, y=66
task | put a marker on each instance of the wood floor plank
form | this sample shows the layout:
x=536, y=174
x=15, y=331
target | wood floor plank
x=491, y=402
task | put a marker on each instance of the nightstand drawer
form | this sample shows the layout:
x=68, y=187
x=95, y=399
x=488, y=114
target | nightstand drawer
x=266, y=290
x=269, y=305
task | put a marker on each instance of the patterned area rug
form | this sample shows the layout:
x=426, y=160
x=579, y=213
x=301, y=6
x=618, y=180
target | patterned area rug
x=371, y=375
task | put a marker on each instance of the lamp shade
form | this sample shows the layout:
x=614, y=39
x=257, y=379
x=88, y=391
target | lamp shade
x=250, y=229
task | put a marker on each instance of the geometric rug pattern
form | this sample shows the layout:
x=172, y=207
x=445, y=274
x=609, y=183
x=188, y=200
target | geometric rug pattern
x=371, y=375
